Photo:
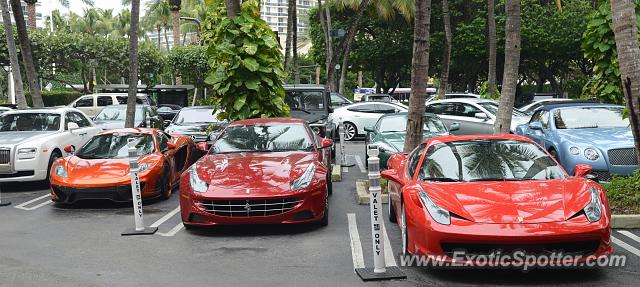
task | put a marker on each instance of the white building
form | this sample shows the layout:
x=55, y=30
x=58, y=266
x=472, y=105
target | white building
x=275, y=13
x=39, y=14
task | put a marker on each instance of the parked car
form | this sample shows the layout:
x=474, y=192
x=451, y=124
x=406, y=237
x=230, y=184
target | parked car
x=311, y=103
x=168, y=111
x=536, y=104
x=390, y=131
x=100, y=168
x=377, y=98
x=359, y=115
x=259, y=171
x=465, y=192
x=461, y=96
x=337, y=100
x=92, y=104
x=475, y=116
x=113, y=117
x=585, y=133
x=31, y=140
x=196, y=122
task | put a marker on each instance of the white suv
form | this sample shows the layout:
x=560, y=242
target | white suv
x=93, y=104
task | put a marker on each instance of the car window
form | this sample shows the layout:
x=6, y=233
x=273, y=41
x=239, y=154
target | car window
x=544, y=119
x=466, y=110
x=105, y=101
x=414, y=158
x=115, y=145
x=275, y=137
x=447, y=109
x=163, y=141
x=367, y=108
x=75, y=117
x=123, y=100
x=84, y=102
x=535, y=117
x=165, y=109
x=29, y=122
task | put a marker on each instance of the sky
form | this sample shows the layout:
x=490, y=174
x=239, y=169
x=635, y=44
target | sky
x=78, y=7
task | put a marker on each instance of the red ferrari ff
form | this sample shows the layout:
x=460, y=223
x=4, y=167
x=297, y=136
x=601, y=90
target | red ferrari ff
x=259, y=171
x=481, y=194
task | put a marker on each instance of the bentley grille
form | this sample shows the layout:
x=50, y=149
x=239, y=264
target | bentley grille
x=622, y=156
x=250, y=207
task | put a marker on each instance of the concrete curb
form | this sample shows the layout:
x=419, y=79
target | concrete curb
x=362, y=192
x=625, y=221
x=336, y=173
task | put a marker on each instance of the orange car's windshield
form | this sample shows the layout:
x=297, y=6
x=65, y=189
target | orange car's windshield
x=115, y=146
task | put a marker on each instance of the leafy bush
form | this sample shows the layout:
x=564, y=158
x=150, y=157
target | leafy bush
x=624, y=194
x=246, y=64
x=55, y=98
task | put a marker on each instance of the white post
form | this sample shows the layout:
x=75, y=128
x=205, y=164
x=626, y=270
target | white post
x=136, y=197
x=11, y=87
x=341, y=135
x=375, y=200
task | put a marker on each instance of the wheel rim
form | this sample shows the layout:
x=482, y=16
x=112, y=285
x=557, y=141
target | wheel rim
x=349, y=131
x=403, y=229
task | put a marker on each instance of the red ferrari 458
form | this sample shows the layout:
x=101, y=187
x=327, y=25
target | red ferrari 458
x=259, y=171
x=481, y=194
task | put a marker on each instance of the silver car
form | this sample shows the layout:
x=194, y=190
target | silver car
x=475, y=116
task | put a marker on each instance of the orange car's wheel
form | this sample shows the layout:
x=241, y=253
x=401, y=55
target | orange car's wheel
x=165, y=188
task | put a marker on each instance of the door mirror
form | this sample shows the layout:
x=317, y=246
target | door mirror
x=582, y=170
x=72, y=126
x=454, y=127
x=171, y=145
x=535, y=126
x=70, y=149
x=202, y=146
x=166, y=123
x=481, y=116
x=390, y=174
x=368, y=129
x=325, y=143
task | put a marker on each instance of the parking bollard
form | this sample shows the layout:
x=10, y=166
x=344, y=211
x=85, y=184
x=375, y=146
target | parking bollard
x=6, y=203
x=136, y=196
x=343, y=156
x=379, y=271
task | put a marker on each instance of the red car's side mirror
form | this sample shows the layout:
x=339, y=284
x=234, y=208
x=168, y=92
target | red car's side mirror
x=390, y=174
x=202, y=146
x=581, y=170
x=171, y=145
x=325, y=143
x=70, y=149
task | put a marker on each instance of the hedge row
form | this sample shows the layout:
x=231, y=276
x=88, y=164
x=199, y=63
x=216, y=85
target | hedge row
x=55, y=98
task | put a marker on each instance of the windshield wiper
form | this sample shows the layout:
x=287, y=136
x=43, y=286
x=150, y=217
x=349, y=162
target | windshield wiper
x=496, y=179
x=299, y=109
x=445, y=179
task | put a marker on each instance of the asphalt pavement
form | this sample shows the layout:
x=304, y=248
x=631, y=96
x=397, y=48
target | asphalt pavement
x=42, y=244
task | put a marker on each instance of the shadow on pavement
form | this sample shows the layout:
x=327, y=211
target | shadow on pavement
x=24, y=186
x=255, y=230
x=513, y=276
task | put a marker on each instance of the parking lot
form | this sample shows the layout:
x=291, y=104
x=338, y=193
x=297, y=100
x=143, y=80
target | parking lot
x=42, y=244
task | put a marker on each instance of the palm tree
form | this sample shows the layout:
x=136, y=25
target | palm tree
x=157, y=17
x=292, y=39
x=491, y=23
x=13, y=56
x=626, y=34
x=133, y=64
x=27, y=57
x=233, y=8
x=31, y=10
x=419, y=74
x=446, y=54
x=502, y=124
x=174, y=6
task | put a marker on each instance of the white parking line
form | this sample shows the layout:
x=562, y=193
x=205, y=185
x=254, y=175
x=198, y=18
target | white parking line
x=389, y=258
x=630, y=235
x=23, y=205
x=354, y=237
x=360, y=164
x=166, y=217
x=173, y=230
x=625, y=246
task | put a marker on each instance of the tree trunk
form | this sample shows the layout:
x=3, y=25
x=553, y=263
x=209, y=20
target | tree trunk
x=331, y=80
x=166, y=40
x=343, y=73
x=233, y=8
x=345, y=44
x=359, y=79
x=159, y=37
x=318, y=70
x=133, y=64
x=287, y=46
x=294, y=43
x=419, y=74
x=175, y=16
x=31, y=14
x=491, y=23
x=626, y=34
x=502, y=124
x=13, y=56
x=27, y=57
x=446, y=54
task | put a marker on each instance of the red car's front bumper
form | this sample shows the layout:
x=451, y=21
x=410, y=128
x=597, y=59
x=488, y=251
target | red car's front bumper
x=207, y=209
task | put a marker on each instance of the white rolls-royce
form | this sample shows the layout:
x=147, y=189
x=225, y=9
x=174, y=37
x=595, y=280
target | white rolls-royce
x=30, y=140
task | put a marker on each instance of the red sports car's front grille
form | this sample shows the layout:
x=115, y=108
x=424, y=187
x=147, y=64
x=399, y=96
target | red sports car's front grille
x=250, y=207
x=566, y=248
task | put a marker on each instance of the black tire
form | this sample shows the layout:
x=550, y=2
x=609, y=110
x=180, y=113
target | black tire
x=54, y=155
x=324, y=221
x=329, y=185
x=350, y=131
x=165, y=188
x=391, y=213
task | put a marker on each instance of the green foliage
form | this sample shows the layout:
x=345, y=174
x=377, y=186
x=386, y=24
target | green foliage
x=246, y=65
x=484, y=91
x=55, y=98
x=191, y=63
x=623, y=195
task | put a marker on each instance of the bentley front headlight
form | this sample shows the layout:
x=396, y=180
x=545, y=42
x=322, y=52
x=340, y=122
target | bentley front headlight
x=305, y=179
x=591, y=154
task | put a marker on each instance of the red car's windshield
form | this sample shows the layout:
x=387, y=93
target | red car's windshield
x=263, y=138
x=488, y=160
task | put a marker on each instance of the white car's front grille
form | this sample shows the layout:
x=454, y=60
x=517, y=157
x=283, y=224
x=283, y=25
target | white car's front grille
x=5, y=156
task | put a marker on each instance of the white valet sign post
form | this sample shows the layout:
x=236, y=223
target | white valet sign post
x=136, y=197
x=343, y=156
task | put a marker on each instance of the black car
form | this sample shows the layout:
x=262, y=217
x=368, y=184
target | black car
x=168, y=111
x=197, y=122
x=113, y=117
x=311, y=103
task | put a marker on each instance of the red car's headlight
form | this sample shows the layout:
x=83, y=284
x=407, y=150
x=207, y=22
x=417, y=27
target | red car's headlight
x=439, y=214
x=305, y=179
x=593, y=210
x=196, y=183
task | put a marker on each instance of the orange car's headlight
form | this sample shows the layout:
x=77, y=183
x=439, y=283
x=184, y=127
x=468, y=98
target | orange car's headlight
x=60, y=171
x=144, y=166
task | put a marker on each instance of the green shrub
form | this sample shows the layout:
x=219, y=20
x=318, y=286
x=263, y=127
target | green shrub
x=55, y=98
x=624, y=194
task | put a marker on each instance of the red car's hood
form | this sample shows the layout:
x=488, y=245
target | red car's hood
x=263, y=174
x=512, y=201
x=79, y=168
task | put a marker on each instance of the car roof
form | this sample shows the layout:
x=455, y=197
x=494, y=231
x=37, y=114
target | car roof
x=454, y=138
x=115, y=94
x=304, y=87
x=407, y=113
x=149, y=131
x=59, y=109
x=123, y=105
x=462, y=100
x=259, y=121
x=552, y=106
x=198, y=108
